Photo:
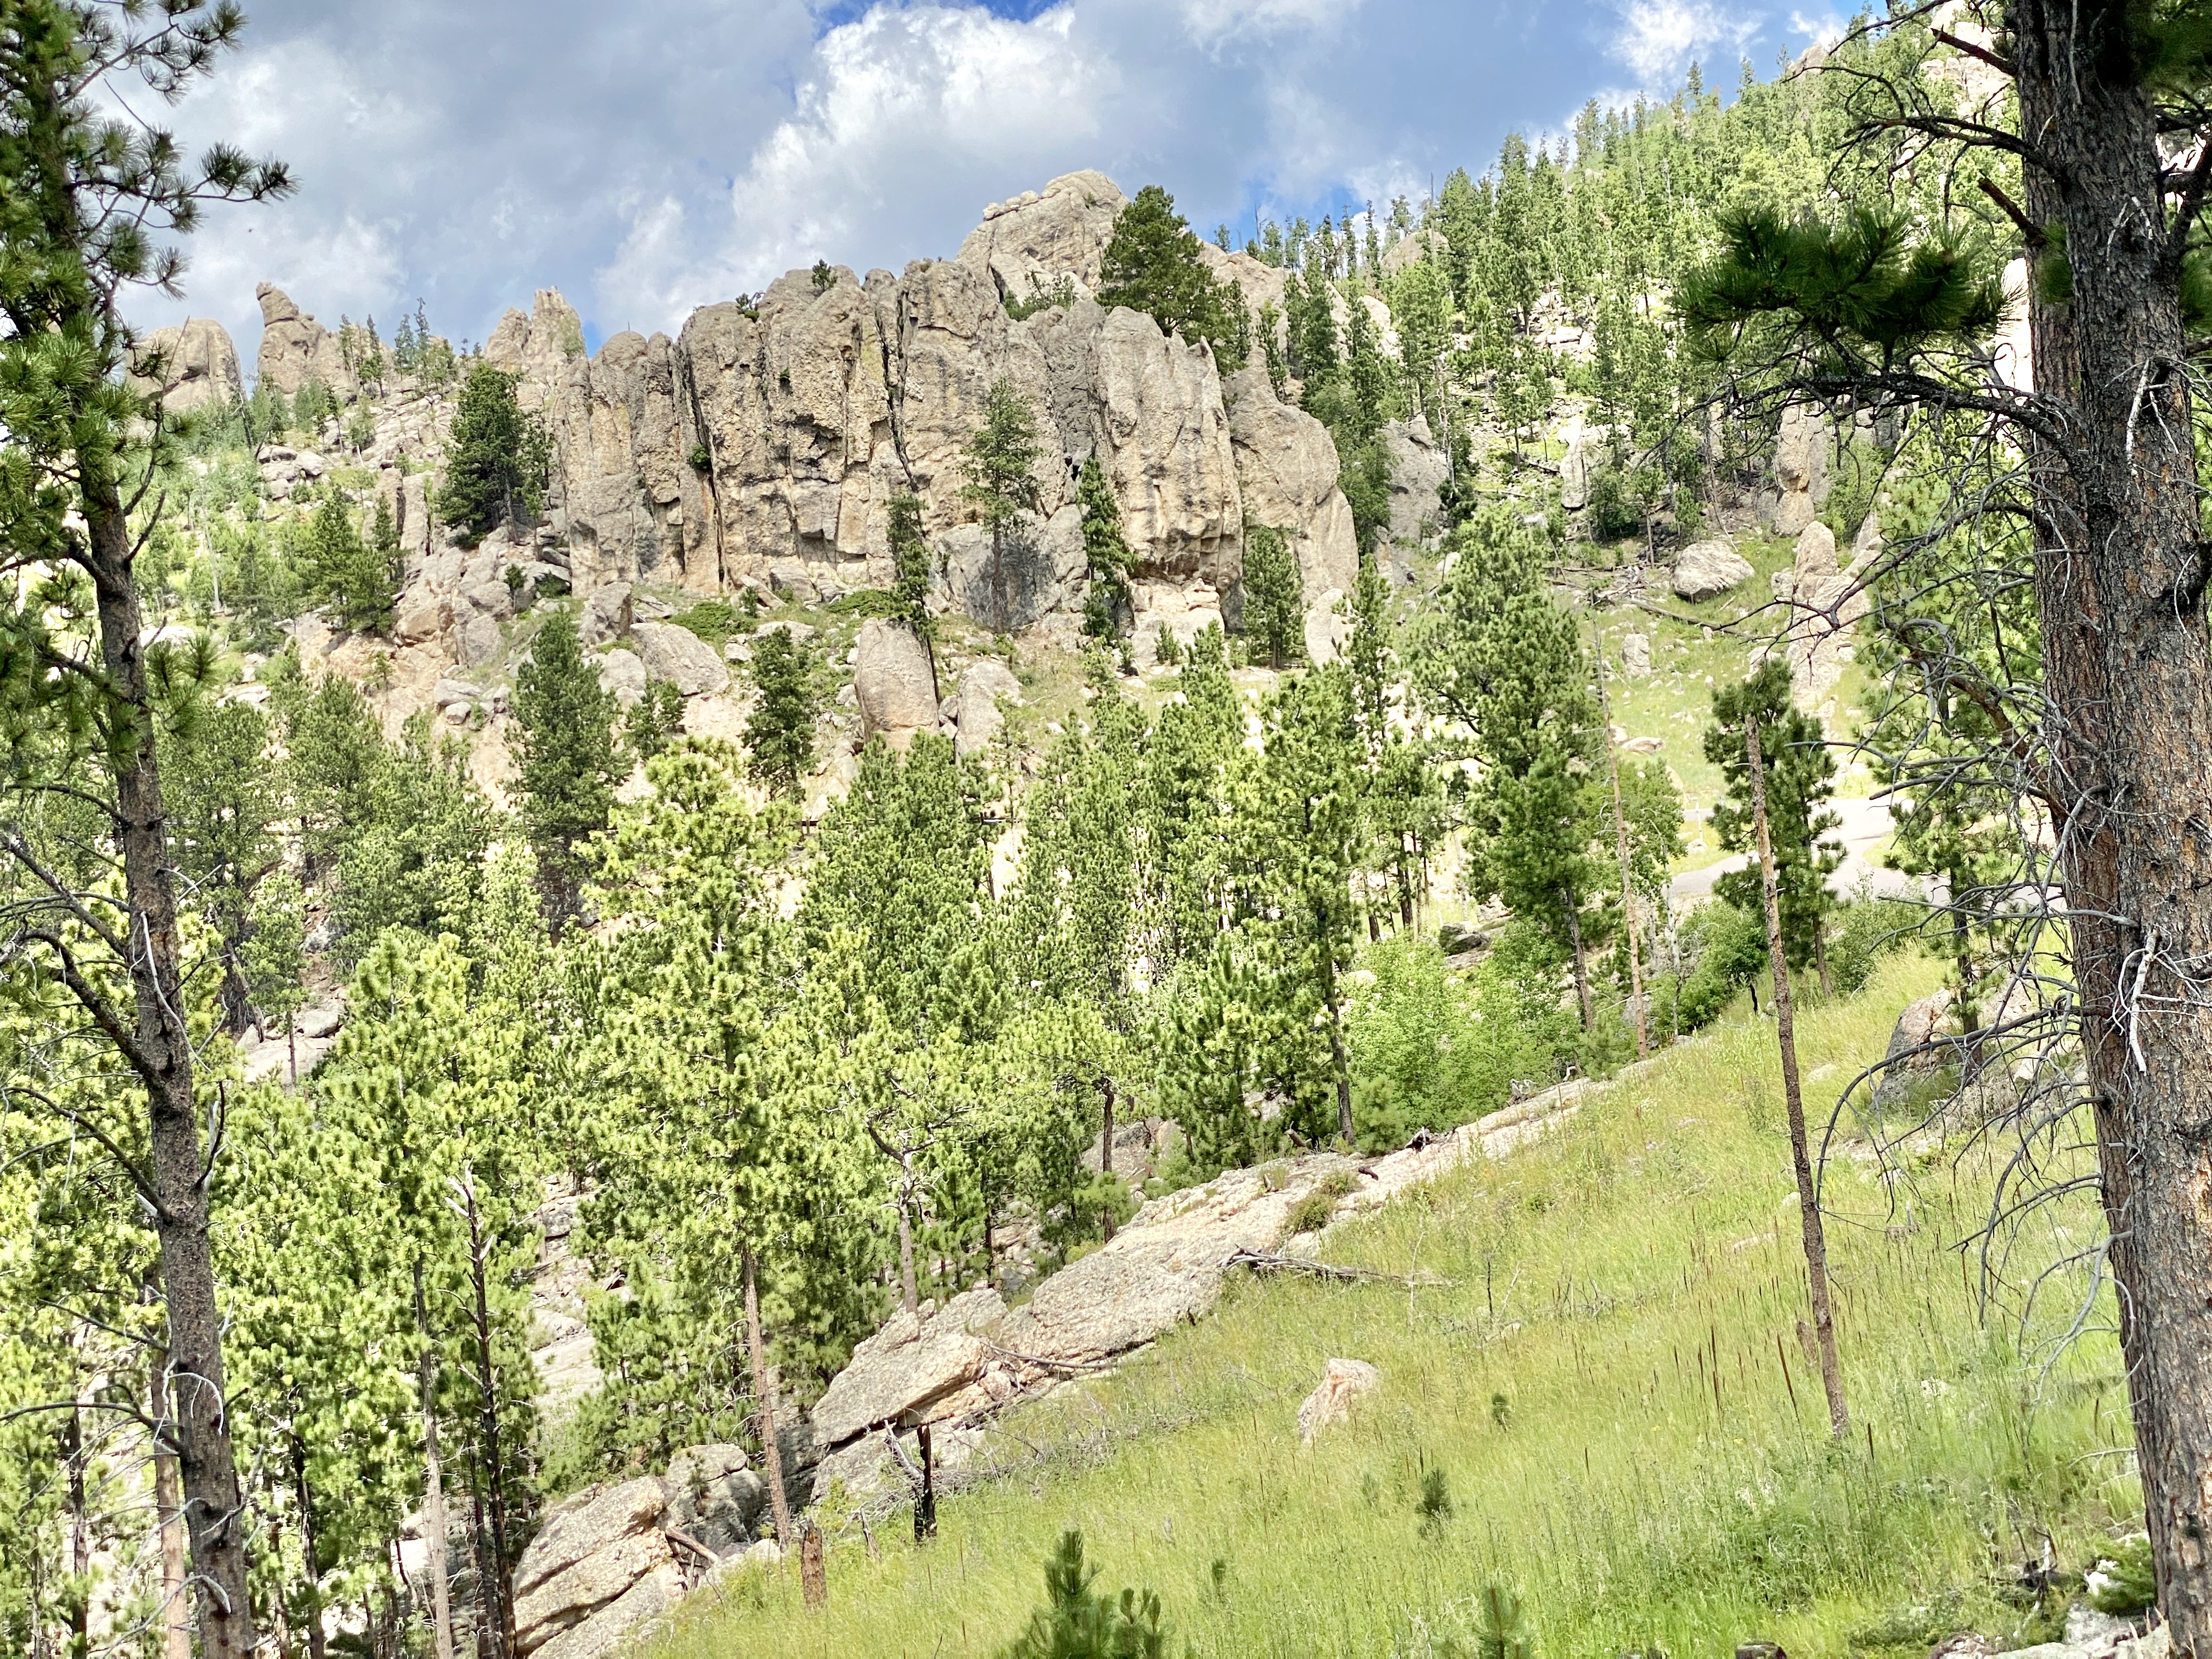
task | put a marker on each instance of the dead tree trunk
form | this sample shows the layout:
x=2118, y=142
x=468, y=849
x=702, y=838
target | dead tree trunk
x=771, y=1453
x=436, y=1525
x=1785, y=1032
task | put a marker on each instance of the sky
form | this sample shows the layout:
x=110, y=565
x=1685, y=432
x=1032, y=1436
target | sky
x=649, y=156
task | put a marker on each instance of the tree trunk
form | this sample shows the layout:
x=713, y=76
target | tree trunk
x=168, y=1498
x=214, y=1511
x=435, y=1526
x=79, y=1535
x=1820, y=956
x=305, y=1497
x=496, y=1596
x=1582, y=968
x=2120, y=579
x=925, y=1503
x=1405, y=887
x=1785, y=1034
x=909, y=1288
x=1338, y=1062
x=1106, y=1147
x=771, y=1453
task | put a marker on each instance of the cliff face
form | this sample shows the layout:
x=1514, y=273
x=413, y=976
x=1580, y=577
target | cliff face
x=763, y=444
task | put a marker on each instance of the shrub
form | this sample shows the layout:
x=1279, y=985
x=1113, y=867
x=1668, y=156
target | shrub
x=2124, y=1582
x=1077, y=1623
x=1311, y=1213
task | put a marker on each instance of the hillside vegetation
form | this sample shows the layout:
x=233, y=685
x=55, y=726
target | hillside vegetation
x=1606, y=1412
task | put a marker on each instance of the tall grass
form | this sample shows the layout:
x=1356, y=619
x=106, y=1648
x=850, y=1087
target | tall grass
x=1629, y=1434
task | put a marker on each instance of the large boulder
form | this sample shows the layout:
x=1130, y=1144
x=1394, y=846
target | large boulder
x=715, y=1499
x=893, y=682
x=591, y=1549
x=606, y=614
x=1917, y=1053
x=623, y=676
x=1287, y=471
x=1342, y=1381
x=1030, y=245
x=654, y=1593
x=1419, y=467
x=670, y=651
x=1705, y=570
x=975, y=704
x=909, y=1367
x=200, y=364
x=297, y=349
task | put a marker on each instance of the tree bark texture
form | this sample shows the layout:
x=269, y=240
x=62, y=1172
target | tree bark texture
x=1785, y=1033
x=168, y=1510
x=771, y=1453
x=162, y=1049
x=2120, y=577
x=436, y=1525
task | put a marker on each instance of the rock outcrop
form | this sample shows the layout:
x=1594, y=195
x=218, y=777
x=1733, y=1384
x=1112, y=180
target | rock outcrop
x=1032, y=245
x=199, y=365
x=893, y=682
x=1705, y=570
x=1800, y=468
x=1825, y=600
x=763, y=444
x=297, y=349
x=1342, y=1381
x=976, y=712
x=950, y=1367
x=1419, y=467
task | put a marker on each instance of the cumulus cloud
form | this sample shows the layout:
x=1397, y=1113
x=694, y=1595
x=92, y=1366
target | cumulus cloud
x=906, y=115
x=648, y=157
x=1658, y=39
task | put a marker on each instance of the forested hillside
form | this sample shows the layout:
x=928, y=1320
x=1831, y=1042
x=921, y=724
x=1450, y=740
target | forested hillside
x=618, y=966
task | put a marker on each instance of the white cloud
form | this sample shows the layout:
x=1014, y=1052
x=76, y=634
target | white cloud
x=1658, y=39
x=906, y=114
x=1215, y=23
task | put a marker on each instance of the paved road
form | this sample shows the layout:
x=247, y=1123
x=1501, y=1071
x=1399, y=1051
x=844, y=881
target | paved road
x=1865, y=823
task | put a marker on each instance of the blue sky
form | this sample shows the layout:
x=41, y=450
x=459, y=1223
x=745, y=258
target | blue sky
x=649, y=157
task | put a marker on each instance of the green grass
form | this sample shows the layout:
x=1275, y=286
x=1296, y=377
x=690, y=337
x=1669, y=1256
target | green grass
x=1629, y=1435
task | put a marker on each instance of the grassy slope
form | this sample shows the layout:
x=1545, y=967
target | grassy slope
x=1629, y=1290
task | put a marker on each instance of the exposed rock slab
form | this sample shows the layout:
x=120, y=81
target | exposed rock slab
x=199, y=365
x=1342, y=1381
x=1286, y=465
x=1705, y=570
x=892, y=679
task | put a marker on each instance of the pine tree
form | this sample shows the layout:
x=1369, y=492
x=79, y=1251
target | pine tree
x=1507, y=662
x=89, y=193
x=787, y=674
x=1076, y=1622
x=1799, y=782
x=498, y=459
x=228, y=799
x=357, y=579
x=1153, y=263
x=1274, y=609
x=568, y=761
x=1000, y=464
x=910, y=575
x=1106, y=554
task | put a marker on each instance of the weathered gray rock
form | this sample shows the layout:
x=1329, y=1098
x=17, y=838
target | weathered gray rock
x=420, y=615
x=1419, y=467
x=1575, y=468
x=1342, y=1381
x=450, y=690
x=908, y=1368
x=297, y=349
x=652, y=1594
x=593, y=1546
x=714, y=1496
x=478, y=639
x=1029, y=245
x=674, y=653
x=199, y=365
x=622, y=673
x=1800, y=468
x=975, y=704
x=606, y=614
x=1636, y=656
x=892, y=679
x=1286, y=472
x=1705, y=570
x=1915, y=1054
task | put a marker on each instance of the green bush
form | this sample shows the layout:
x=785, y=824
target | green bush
x=1078, y=1623
x=1311, y=1213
